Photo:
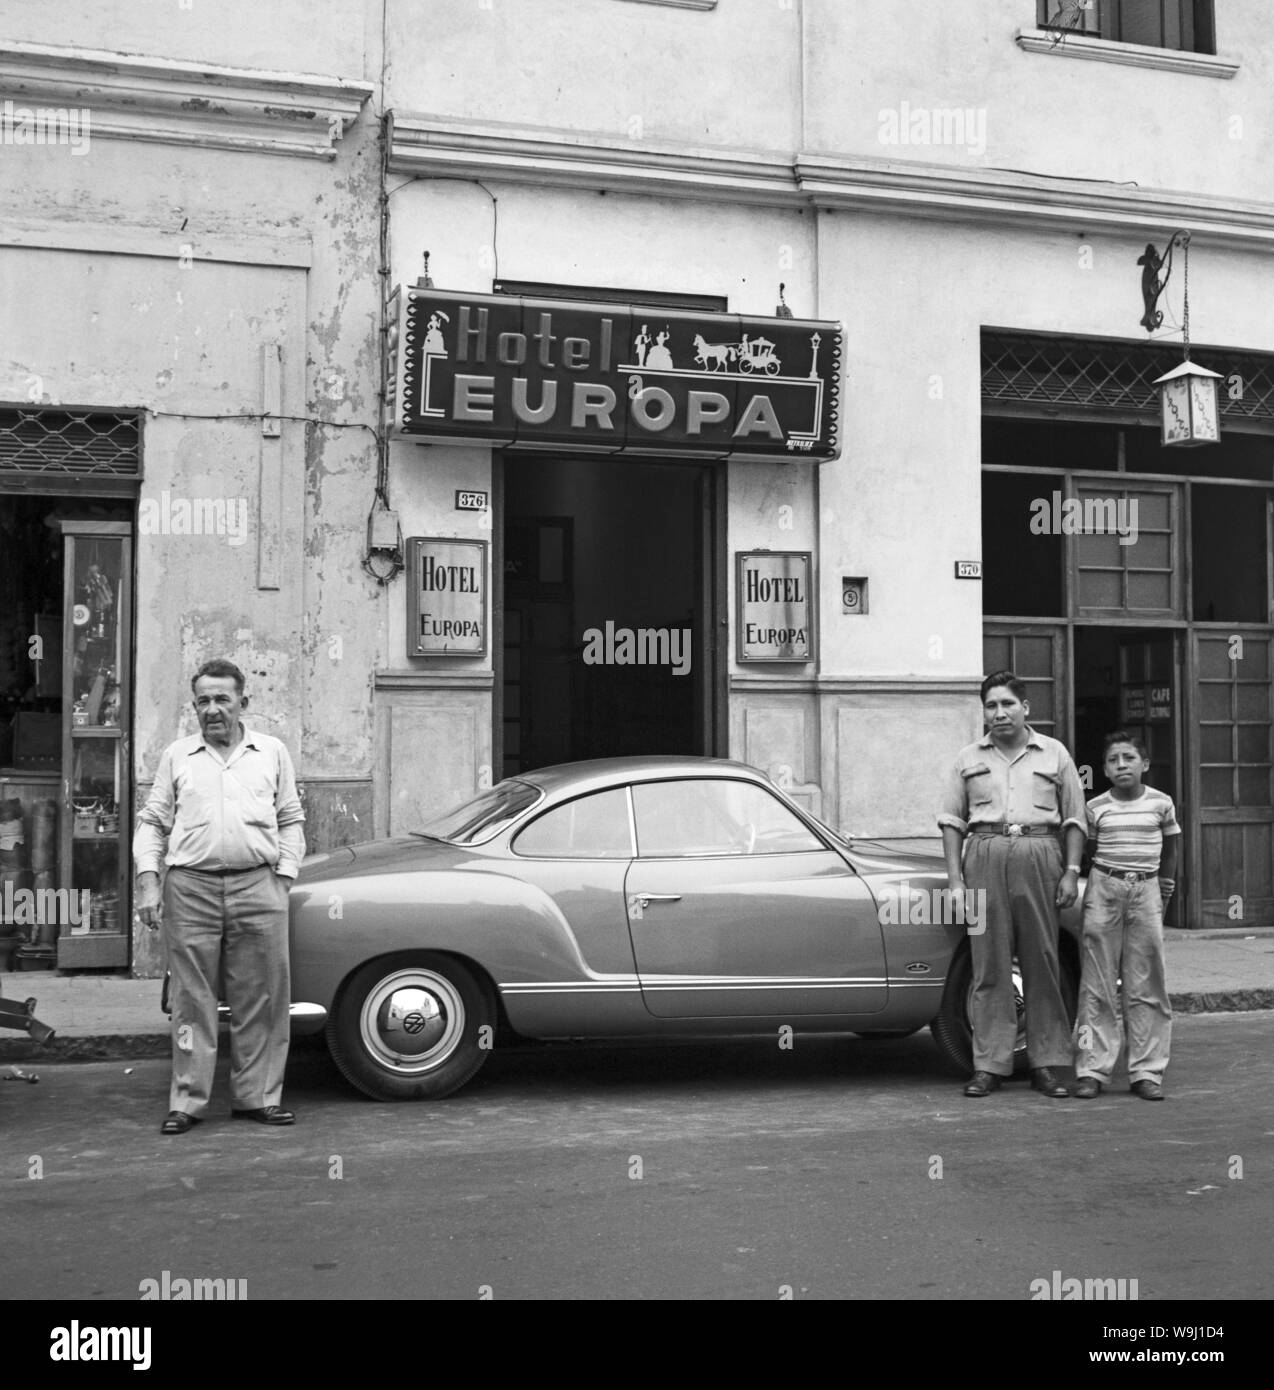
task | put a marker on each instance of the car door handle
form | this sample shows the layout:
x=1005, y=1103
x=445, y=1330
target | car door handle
x=645, y=899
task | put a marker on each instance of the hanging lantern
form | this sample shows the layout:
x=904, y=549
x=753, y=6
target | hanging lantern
x=1188, y=408
x=1188, y=405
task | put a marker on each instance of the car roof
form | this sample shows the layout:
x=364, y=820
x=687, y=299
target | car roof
x=596, y=773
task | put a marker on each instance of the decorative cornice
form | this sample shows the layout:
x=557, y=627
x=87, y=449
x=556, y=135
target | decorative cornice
x=434, y=680
x=851, y=685
x=1029, y=200
x=176, y=103
x=425, y=145
x=1134, y=55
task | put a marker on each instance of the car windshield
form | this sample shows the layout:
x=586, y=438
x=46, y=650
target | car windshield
x=484, y=816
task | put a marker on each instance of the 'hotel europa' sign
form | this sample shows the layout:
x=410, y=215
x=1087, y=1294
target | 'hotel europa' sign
x=446, y=597
x=774, y=594
x=608, y=378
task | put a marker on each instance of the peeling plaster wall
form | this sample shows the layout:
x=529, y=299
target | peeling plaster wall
x=181, y=335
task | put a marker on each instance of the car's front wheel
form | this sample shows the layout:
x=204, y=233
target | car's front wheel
x=412, y=1027
x=952, y=1029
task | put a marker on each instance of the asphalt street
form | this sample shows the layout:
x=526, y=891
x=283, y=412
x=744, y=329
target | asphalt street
x=734, y=1170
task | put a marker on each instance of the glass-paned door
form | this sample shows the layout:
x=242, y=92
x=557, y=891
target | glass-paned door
x=96, y=791
x=1127, y=550
x=1035, y=653
x=1234, y=741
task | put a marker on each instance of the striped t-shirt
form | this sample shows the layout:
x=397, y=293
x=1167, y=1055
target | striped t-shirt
x=1130, y=834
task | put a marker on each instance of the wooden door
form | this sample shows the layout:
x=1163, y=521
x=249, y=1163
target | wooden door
x=1036, y=653
x=1233, y=757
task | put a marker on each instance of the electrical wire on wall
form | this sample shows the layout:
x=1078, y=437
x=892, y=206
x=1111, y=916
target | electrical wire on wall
x=384, y=557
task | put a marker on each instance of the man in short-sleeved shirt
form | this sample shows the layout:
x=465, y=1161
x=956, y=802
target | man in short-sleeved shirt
x=225, y=817
x=1014, y=794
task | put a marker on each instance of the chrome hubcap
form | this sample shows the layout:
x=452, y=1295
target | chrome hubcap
x=412, y=1021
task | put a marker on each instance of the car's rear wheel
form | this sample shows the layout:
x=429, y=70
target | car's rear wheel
x=952, y=1029
x=412, y=1027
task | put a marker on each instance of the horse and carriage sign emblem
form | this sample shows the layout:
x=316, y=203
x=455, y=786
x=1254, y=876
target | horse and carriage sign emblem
x=612, y=378
x=751, y=354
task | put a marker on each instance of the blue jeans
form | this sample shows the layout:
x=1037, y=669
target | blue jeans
x=1122, y=942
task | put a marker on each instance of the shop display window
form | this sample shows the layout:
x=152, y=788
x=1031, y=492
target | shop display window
x=65, y=710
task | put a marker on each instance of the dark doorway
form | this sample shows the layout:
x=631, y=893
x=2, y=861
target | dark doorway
x=1128, y=678
x=606, y=648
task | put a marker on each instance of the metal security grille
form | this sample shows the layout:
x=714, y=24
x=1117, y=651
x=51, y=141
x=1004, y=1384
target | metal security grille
x=1095, y=375
x=37, y=439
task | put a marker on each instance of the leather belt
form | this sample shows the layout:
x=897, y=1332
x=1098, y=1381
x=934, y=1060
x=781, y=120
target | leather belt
x=220, y=873
x=1132, y=875
x=1013, y=830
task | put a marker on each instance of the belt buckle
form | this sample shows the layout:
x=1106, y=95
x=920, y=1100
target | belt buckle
x=1014, y=830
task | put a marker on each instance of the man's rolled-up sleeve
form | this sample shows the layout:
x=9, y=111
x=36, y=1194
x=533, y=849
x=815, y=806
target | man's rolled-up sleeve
x=955, y=802
x=1073, y=810
x=155, y=820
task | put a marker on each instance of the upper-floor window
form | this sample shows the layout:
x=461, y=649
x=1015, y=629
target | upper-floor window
x=1186, y=25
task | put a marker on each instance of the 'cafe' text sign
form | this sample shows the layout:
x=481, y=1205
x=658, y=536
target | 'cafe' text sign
x=446, y=597
x=611, y=378
x=775, y=604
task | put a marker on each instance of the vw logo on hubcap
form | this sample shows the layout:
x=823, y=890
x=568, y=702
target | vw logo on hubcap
x=411, y=1021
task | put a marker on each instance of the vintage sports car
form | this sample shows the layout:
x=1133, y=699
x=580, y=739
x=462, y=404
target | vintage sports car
x=627, y=897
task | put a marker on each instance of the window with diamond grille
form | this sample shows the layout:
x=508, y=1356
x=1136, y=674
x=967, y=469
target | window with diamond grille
x=41, y=439
x=1185, y=25
x=1095, y=375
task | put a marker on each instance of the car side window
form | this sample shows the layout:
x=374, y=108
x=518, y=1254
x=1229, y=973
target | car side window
x=708, y=816
x=590, y=827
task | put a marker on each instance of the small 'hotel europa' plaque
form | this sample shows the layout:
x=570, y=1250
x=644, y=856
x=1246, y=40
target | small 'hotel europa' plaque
x=774, y=601
x=447, y=597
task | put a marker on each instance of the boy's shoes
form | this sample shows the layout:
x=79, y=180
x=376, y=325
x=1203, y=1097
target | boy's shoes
x=982, y=1083
x=1089, y=1087
x=1147, y=1090
x=266, y=1115
x=1043, y=1080
x=178, y=1122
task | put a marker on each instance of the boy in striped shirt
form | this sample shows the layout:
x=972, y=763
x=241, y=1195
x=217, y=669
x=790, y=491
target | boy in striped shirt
x=1128, y=888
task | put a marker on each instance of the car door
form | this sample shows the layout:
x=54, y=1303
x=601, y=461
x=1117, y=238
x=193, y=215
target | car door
x=736, y=908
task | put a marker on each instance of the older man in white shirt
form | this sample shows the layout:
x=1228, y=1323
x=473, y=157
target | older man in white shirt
x=225, y=817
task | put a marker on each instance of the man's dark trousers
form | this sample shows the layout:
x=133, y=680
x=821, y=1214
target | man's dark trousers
x=1019, y=875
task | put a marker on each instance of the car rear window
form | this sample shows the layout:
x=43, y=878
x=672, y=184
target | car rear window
x=486, y=815
x=590, y=827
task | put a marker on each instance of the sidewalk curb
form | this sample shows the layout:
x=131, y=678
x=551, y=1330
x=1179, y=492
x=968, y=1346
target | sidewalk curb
x=108, y=1047
x=1223, y=1001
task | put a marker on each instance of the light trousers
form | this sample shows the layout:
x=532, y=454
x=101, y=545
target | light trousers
x=231, y=927
x=1122, y=990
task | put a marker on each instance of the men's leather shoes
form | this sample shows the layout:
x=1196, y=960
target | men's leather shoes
x=1045, y=1082
x=269, y=1115
x=1088, y=1088
x=1147, y=1090
x=982, y=1083
x=178, y=1122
